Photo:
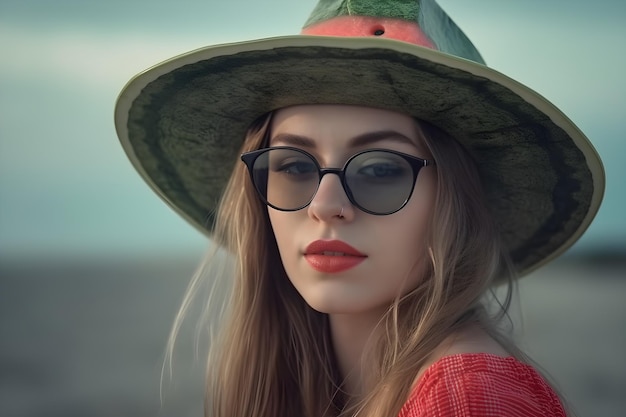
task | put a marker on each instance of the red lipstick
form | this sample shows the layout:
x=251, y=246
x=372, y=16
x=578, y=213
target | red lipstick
x=332, y=256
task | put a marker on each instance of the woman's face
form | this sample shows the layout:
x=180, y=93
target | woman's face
x=340, y=259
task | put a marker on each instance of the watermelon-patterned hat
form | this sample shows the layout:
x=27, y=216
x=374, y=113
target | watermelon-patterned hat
x=182, y=122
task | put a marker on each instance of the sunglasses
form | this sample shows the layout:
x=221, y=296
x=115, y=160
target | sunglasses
x=377, y=181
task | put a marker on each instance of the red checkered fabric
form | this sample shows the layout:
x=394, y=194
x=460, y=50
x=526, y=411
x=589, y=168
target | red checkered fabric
x=484, y=385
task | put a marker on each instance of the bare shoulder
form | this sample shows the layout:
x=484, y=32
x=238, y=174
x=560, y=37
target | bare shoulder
x=472, y=339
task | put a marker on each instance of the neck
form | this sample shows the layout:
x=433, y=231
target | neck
x=351, y=333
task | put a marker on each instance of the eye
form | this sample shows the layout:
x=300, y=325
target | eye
x=380, y=170
x=295, y=166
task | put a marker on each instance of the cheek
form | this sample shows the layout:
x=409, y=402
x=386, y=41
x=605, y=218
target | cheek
x=283, y=224
x=423, y=202
x=406, y=247
x=277, y=224
x=410, y=258
x=413, y=229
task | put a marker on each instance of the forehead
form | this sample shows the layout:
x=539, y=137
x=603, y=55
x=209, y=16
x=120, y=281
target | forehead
x=340, y=122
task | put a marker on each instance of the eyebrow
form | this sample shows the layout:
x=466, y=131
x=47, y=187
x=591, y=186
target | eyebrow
x=364, y=139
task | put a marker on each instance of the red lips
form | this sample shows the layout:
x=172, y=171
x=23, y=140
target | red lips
x=332, y=256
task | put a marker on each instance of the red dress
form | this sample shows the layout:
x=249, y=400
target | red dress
x=480, y=384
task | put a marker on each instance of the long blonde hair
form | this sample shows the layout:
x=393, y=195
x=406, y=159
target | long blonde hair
x=273, y=356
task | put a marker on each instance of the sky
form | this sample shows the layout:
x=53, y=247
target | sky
x=67, y=189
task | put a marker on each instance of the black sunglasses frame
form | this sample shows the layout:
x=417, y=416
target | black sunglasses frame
x=416, y=164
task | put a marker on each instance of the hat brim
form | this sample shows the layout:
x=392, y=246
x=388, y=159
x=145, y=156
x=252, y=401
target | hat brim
x=183, y=121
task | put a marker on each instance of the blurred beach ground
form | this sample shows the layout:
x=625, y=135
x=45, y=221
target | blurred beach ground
x=88, y=338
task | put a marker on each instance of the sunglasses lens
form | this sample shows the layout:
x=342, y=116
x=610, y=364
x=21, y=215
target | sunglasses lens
x=381, y=182
x=287, y=178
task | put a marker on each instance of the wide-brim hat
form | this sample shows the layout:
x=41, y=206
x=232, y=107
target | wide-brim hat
x=183, y=121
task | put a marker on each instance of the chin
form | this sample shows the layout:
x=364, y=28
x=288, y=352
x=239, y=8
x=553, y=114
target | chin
x=335, y=304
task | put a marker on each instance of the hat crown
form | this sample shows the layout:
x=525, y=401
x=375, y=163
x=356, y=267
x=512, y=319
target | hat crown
x=401, y=9
x=428, y=17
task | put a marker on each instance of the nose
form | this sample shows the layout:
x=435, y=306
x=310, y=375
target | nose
x=330, y=201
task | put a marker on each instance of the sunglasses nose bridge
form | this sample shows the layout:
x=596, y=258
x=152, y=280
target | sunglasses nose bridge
x=340, y=177
x=336, y=171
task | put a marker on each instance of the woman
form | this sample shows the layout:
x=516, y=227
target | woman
x=384, y=187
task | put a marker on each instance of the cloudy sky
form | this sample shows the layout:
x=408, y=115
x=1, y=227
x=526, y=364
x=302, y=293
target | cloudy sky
x=67, y=189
